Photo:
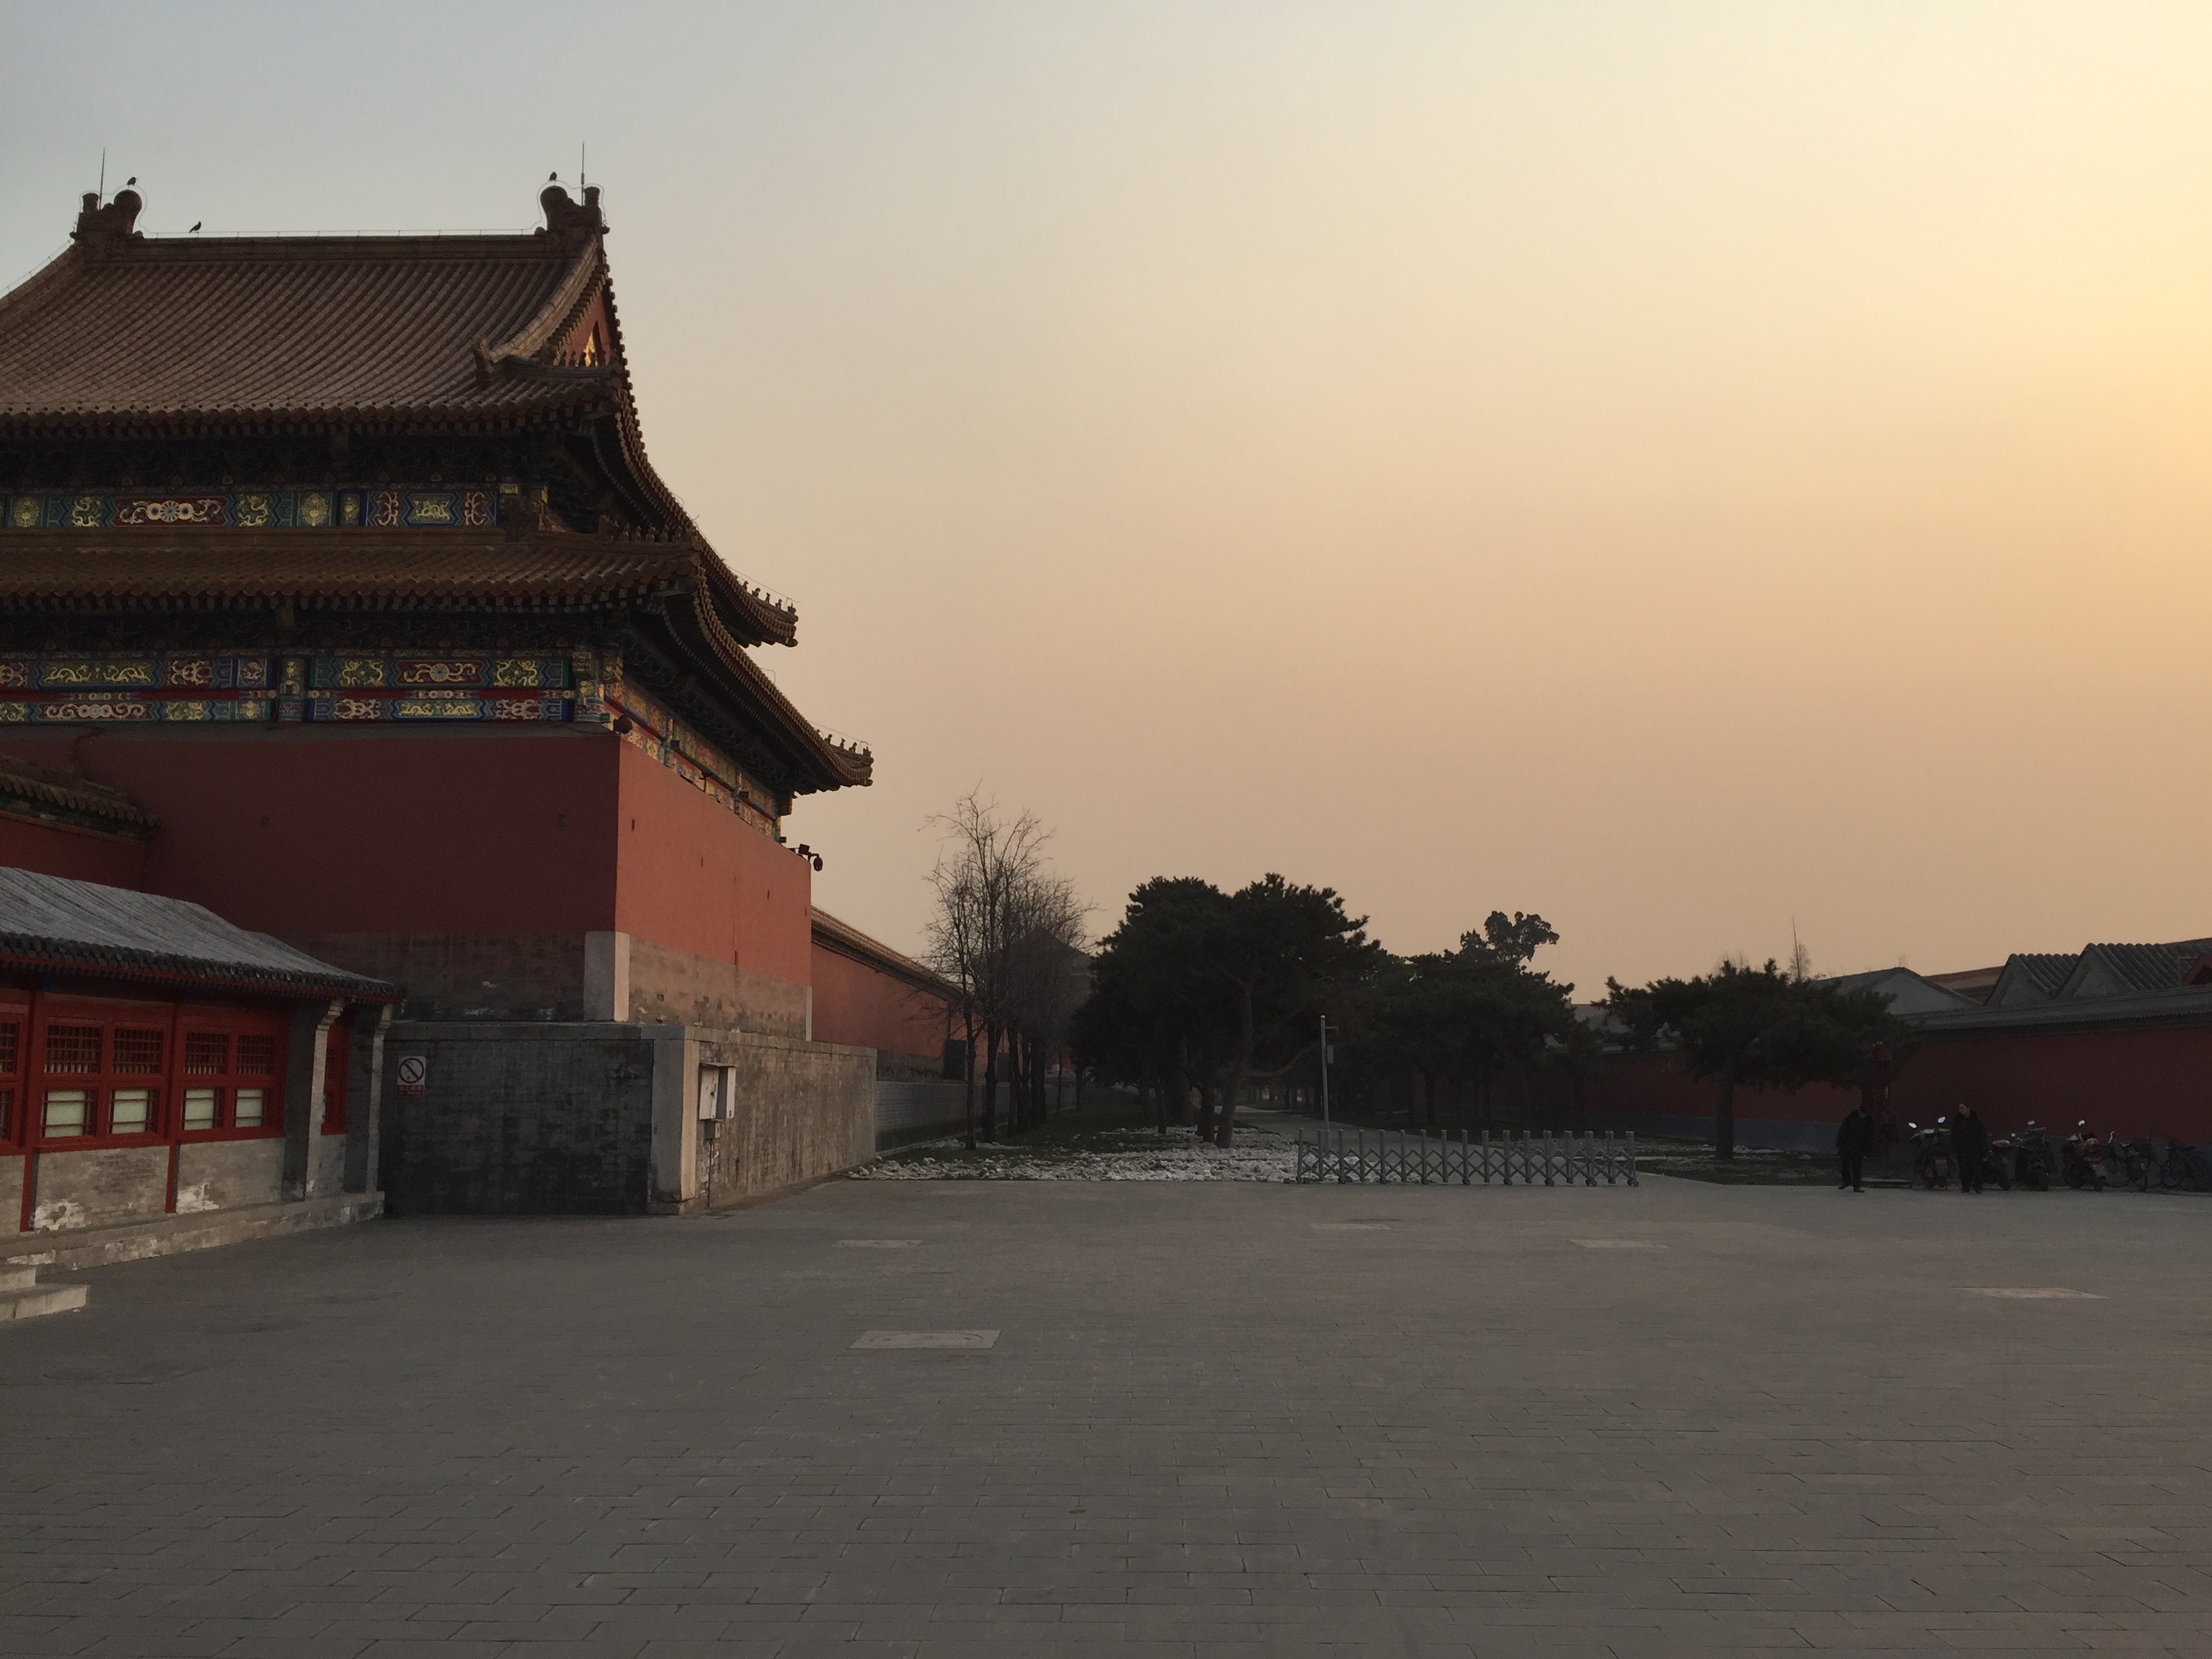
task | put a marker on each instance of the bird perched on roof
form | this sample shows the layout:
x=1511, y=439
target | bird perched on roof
x=554, y=177
x=194, y=230
x=131, y=180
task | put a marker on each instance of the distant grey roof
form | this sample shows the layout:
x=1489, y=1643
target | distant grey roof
x=2116, y=969
x=2032, y=976
x=47, y=921
x=1907, y=992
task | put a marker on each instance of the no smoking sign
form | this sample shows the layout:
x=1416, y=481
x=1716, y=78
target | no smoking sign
x=414, y=1072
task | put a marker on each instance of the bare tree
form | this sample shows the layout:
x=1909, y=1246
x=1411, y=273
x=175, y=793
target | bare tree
x=1003, y=928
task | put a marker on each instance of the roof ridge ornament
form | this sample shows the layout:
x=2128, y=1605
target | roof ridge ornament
x=100, y=229
x=567, y=224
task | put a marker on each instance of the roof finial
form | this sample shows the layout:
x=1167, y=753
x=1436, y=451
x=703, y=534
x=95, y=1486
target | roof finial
x=100, y=229
x=565, y=220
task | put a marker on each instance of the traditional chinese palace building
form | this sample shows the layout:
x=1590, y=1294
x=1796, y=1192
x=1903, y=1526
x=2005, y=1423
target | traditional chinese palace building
x=338, y=595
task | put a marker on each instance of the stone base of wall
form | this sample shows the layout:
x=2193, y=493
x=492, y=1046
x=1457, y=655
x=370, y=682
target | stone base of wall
x=466, y=975
x=603, y=1118
x=171, y=1235
x=674, y=987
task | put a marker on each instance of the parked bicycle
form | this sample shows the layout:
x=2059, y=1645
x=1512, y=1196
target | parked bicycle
x=2031, y=1159
x=2181, y=1168
x=2134, y=1161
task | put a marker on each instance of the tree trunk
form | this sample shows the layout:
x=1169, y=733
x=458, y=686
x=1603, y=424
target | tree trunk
x=1175, y=1099
x=1724, y=1116
x=1239, y=1068
x=968, y=1025
x=990, y=1082
x=1205, y=1131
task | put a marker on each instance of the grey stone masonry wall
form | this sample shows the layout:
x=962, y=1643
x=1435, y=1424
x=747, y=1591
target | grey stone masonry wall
x=800, y=1111
x=910, y=1110
x=602, y=1117
x=99, y=1186
x=219, y=1175
x=518, y=1119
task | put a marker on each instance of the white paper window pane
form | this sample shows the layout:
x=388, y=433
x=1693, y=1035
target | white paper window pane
x=66, y=1109
x=247, y=1113
x=131, y=1111
x=199, y=1109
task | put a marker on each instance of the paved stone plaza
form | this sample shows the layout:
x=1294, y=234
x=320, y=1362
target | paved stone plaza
x=1214, y=1420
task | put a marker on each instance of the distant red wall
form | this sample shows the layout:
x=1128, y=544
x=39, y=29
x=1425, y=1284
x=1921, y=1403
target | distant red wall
x=690, y=875
x=2153, y=1081
x=1656, y=1083
x=68, y=853
x=2146, y=1082
x=856, y=1004
x=308, y=831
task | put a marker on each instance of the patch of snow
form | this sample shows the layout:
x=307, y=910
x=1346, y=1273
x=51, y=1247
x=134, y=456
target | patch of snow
x=1261, y=1155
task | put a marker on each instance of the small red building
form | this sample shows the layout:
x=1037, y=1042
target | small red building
x=338, y=595
x=158, y=1064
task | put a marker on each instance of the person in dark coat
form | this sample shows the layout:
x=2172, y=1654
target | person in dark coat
x=1854, y=1140
x=1970, y=1148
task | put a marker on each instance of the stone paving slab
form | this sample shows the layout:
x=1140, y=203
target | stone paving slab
x=1219, y=1420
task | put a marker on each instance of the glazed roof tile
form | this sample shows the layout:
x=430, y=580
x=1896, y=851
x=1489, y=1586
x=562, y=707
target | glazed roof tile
x=277, y=330
x=48, y=921
x=27, y=789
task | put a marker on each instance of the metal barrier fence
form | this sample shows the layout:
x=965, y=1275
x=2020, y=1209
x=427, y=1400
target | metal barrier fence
x=1547, y=1157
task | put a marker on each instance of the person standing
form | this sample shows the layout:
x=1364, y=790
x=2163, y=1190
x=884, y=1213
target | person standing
x=1970, y=1148
x=1854, y=1139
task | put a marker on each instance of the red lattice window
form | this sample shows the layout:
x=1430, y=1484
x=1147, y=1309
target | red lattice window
x=138, y=1051
x=230, y=1081
x=98, y=1078
x=72, y=1048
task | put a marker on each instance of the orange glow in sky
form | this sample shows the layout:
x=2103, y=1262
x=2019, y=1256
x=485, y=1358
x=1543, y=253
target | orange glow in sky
x=1678, y=469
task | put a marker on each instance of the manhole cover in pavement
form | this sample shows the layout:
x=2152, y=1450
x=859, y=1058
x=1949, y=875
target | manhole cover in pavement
x=2054, y=1294
x=928, y=1340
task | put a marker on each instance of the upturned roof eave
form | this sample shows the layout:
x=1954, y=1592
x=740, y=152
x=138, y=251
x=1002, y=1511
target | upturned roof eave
x=815, y=762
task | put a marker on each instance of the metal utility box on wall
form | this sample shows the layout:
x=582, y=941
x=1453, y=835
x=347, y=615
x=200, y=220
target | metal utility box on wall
x=717, y=1090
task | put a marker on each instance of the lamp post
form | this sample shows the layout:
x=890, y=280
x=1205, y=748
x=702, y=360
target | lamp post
x=1325, y=1051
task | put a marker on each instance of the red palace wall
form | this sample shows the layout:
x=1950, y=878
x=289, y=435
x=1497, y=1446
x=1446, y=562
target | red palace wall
x=2150, y=1081
x=297, y=833
x=856, y=1004
x=1656, y=1085
x=2146, y=1082
x=70, y=852
x=719, y=915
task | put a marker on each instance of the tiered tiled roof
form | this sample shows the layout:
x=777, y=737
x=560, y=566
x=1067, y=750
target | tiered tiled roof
x=39, y=793
x=123, y=332
x=124, y=337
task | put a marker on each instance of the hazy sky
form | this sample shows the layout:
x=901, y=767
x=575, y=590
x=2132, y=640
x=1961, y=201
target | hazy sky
x=1676, y=468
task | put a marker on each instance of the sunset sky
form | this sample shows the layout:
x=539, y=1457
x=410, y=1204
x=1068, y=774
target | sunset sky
x=1679, y=469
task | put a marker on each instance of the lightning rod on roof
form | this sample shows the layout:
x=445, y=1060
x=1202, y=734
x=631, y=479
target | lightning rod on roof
x=103, y=173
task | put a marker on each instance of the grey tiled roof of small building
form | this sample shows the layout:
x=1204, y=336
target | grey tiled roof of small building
x=2144, y=967
x=52, y=922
